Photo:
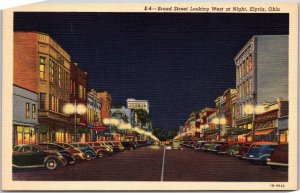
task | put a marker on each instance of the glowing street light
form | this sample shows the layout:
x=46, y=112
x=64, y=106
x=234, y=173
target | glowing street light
x=75, y=109
x=253, y=109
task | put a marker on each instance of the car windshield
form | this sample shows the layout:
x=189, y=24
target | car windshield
x=82, y=145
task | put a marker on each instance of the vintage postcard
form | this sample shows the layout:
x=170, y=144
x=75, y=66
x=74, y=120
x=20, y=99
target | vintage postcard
x=170, y=96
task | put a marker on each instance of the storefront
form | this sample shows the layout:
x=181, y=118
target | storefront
x=24, y=134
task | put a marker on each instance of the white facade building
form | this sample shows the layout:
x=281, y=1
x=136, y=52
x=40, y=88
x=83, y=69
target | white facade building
x=138, y=104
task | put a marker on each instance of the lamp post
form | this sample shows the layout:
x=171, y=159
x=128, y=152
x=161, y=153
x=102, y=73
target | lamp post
x=75, y=109
x=219, y=121
x=253, y=109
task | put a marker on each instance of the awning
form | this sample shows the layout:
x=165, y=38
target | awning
x=263, y=132
x=212, y=136
x=99, y=127
x=211, y=131
x=237, y=131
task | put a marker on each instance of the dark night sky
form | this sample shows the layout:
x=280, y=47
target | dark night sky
x=179, y=62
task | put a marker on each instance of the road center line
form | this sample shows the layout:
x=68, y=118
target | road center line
x=163, y=165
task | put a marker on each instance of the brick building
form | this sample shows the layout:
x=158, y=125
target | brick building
x=43, y=66
x=106, y=103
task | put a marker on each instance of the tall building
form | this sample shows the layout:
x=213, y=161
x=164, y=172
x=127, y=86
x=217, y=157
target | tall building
x=43, y=66
x=261, y=74
x=138, y=104
x=93, y=117
x=78, y=94
x=106, y=103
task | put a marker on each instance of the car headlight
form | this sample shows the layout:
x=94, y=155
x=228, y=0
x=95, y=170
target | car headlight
x=237, y=152
x=59, y=155
x=268, y=159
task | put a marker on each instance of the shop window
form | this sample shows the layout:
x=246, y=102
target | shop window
x=42, y=67
x=42, y=100
x=27, y=110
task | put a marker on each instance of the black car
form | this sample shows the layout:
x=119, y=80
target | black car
x=128, y=145
x=52, y=147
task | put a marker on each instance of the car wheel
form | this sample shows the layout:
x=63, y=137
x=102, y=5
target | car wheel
x=72, y=162
x=231, y=153
x=88, y=157
x=100, y=155
x=51, y=164
x=131, y=148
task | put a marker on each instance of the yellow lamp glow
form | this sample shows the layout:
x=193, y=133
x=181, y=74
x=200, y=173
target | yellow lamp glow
x=248, y=109
x=69, y=108
x=216, y=121
x=222, y=121
x=259, y=109
x=81, y=109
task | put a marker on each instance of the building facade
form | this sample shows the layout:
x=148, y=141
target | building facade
x=93, y=118
x=138, y=104
x=43, y=64
x=106, y=103
x=25, y=115
x=78, y=96
x=261, y=74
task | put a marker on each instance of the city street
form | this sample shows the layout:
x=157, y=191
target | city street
x=153, y=164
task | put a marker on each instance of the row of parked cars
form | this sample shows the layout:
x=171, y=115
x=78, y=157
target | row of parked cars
x=270, y=153
x=54, y=154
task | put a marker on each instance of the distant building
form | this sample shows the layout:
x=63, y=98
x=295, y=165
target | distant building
x=106, y=103
x=41, y=65
x=261, y=74
x=93, y=117
x=138, y=104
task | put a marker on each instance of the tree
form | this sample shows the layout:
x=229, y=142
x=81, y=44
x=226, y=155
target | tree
x=143, y=116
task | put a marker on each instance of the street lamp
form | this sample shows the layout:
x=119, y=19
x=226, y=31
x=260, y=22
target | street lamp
x=252, y=109
x=70, y=108
x=219, y=121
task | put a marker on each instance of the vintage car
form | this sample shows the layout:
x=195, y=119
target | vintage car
x=128, y=145
x=100, y=150
x=30, y=156
x=79, y=155
x=259, y=152
x=205, y=146
x=215, y=146
x=52, y=147
x=175, y=144
x=230, y=148
x=280, y=156
x=243, y=149
x=199, y=144
x=107, y=147
x=85, y=148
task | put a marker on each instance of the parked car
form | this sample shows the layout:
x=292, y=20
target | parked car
x=85, y=148
x=243, y=150
x=107, y=147
x=233, y=149
x=215, y=146
x=280, y=156
x=142, y=143
x=79, y=155
x=119, y=144
x=30, y=156
x=206, y=146
x=52, y=147
x=175, y=144
x=260, y=151
x=128, y=145
x=100, y=150
x=114, y=146
x=230, y=148
x=199, y=144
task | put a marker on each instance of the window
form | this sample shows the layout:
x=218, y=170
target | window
x=51, y=71
x=247, y=88
x=33, y=111
x=52, y=103
x=250, y=62
x=59, y=76
x=80, y=91
x=27, y=110
x=84, y=93
x=42, y=67
x=42, y=100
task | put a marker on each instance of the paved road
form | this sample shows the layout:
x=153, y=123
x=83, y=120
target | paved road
x=150, y=164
